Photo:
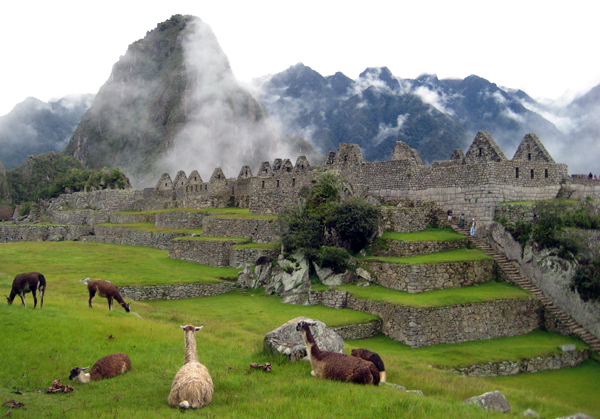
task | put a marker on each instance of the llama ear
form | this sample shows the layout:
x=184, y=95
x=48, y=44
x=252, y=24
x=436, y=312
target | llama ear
x=198, y=328
x=85, y=369
x=183, y=327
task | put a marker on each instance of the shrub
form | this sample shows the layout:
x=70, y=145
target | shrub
x=355, y=223
x=587, y=281
x=334, y=258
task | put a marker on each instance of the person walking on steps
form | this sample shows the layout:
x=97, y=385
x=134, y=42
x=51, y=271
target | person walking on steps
x=449, y=215
x=473, y=228
x=461, y=219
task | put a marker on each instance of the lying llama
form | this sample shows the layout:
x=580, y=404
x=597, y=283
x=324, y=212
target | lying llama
x=192, y=385
x=108, y=367
x=335, y=366
x=374, y=358
x=24, y=283
x=106, y=290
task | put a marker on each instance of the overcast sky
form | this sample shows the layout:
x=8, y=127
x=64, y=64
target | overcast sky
x=548, y=49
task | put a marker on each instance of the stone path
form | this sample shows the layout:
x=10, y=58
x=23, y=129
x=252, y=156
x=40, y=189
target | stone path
x=515, y=276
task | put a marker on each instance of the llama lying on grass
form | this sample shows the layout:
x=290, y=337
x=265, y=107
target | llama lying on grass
x=335, y=366
x=107, y=367
x=192, y=385
x=374, y=358
x=106, y=290
x=28, y=282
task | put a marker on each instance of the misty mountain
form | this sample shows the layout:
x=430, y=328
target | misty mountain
x=171, y=103
x=34, y=127
x=377, y=109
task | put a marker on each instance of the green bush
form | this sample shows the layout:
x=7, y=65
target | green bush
x=587, y=281
x=334, y=258
x=355, y=223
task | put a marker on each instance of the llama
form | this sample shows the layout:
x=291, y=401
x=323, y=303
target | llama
x=106, y=290
x=108, y=367
x=24, y=283
x=374, y=358
x=335, y=366
x=192, y=385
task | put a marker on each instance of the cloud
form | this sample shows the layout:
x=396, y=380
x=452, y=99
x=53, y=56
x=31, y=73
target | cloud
x=434, y=99
x=388, y=130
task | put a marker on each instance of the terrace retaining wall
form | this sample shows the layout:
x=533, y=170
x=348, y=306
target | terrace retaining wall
x=180, y=220
x=213, y=253
x=34, y=232
x=258, y=231
x=176, y=292
x=494, y=369
x=433, y=276
x=126, y=236
x=399, y=248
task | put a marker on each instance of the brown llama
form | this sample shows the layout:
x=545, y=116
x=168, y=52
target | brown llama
x=192, y=385
x=336, y=366
x=108, y=367
x=28, y=282
x=374, y=358
x=106, y=290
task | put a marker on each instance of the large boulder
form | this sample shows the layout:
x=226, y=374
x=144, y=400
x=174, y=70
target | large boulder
x=288, y=341
x=494, y=400
x=289, y=277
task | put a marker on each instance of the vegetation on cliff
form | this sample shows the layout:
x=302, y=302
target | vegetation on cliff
x=326, y=227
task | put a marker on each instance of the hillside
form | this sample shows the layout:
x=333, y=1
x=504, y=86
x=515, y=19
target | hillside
x=172, y=103
x=34, y=127
x=377, y=109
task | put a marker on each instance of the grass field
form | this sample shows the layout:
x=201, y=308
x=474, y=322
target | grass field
x=152, y=228
x=230, y=210
x=37, y=347
x=456, y=255
x=431, y=234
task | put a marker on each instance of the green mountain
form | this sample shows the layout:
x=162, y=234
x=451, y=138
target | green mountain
x=171, y=103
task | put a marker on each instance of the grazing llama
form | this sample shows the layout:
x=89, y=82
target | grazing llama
x=108, y=367
x=192, y=385
x=374, y=358
x=24, y=283
x=336, y=366
x=106, y=290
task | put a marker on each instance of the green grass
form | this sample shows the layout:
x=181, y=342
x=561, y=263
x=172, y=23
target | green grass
x=152, y=228
x=213, y=239
x=240, y=216
x=431, y=234
x=457, y=255
x=37, y=347
x=231, y=210
x=489, y=291
x=122, y=265
x=257, y=245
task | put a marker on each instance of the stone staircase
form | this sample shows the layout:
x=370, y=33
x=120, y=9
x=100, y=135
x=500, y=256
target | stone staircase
x=512, y=272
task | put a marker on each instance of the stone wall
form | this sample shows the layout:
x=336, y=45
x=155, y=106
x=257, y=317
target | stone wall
x=258, y=231
x=406, y=219
x=433, y=276
x=582, y=188
x=176, y=292
x=80, y=217
x=399, y=248
x=494, y=369
x=248, y=256
x=127, y=236
x=358, y=331
x=35, y=232
x=213, y=253
x=131, y=218
x=180, y=220
x=418, y=327
x=108, y=199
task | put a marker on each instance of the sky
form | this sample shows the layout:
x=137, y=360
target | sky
x=52, y=49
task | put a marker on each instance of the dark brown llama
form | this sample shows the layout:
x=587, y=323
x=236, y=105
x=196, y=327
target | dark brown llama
x=108, y=367
x=106, y=290
x=374, y=358
x=28, y=282
x=336, y=366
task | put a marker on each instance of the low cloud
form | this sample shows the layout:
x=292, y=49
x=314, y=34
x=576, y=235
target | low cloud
x=389, y=130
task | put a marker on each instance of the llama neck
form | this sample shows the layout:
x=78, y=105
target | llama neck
x=84, y=378
x=119, y=299
x=311, y=345
x=191, y=352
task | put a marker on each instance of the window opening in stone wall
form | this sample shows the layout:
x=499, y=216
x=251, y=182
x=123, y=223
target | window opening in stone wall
x=263, y=184
x=529, y=156
x=531, y=173
x=480, y=152
x=181, y=183
x=517, y=173
x=278, y=183
x=206, y=187
x=293, y=182
x=301, y=166
x=166, y=184
x=545, y=173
